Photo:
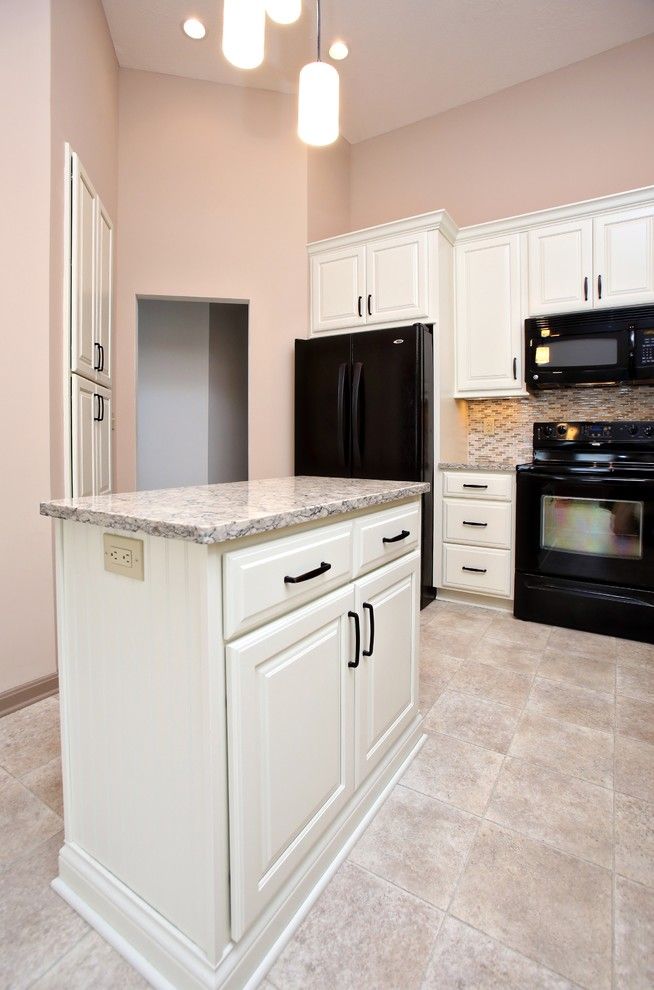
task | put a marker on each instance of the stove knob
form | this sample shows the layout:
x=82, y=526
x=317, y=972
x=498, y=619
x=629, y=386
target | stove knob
x=633, y=429
x=547, y=430
x=649, y=431
x=561, y=429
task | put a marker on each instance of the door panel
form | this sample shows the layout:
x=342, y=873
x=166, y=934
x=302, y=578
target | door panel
x=338, y=288
x=290, y=744
x=83, y=273
x=102, y=441
x=83, y=435
x=322, y=406
x=104, y=296
x=624, y=258
x=561, y=267
x=397, y=274
x=387, y=681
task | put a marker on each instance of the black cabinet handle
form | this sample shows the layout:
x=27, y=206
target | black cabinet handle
x=599, y=286
x=360, y=305
x=515, y=369
x=357, y=639
x=370, y=304
x=101, y=346
x=586, y=289
x=394, y=539
x=98, y=356
x=99, y=416
x=466, y=523
x=340, y=417
x=474, y=486
x=356, y=422
x=371, y=644
x=324, y=567
x=475, y=570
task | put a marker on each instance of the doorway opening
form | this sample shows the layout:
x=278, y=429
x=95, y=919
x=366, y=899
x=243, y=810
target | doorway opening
x=192, y=393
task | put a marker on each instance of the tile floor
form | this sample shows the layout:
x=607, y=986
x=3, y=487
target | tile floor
x=517, y=852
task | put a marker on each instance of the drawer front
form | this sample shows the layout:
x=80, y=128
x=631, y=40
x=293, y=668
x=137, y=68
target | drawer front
x=254, y=589
x=384, y=536
x=487, y=572
x=475, y=484
x=482, y=524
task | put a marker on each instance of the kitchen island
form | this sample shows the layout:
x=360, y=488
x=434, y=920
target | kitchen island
x=239, y=684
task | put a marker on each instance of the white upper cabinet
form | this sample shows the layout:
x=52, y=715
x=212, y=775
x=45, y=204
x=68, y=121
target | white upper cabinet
x=561, y=267
x=488, y=316
x=338, y=288
x=397, y=277
x=624, y=257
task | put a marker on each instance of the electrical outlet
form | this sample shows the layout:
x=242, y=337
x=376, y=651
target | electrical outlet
x=123, y=555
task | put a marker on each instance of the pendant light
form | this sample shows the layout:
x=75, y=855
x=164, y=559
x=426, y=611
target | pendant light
x=283, y=11
x=244, y=29
x=317, y=122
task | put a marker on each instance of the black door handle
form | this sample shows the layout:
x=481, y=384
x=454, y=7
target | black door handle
x=356, y=423
x=474, y=486
x=360, y=305
x=599, y=286
x=394, y=539
x=101, y=346
x=357, y=639
x=370, y=304
x=371, y=644
x=466, y=523
x=515, y=369
x=324, y=567
x=340, y=398
x=98, y=356
x=475, y=570
x=99, y=416
x=586, y=289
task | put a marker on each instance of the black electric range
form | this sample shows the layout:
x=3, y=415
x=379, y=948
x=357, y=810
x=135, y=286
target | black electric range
x=585, y=529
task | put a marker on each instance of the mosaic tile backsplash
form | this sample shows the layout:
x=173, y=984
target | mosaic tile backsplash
x=501, y=429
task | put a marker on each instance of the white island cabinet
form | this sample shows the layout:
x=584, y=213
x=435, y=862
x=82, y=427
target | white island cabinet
x=239, y=684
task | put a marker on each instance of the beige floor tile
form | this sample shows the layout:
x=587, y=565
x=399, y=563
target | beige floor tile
x=25, y=821
x=473, y=720
x=465, y=959
x=634, y=936
x=634, y=768
x=572, y=704
x=570, y=749
x=460, y=622
x=636, y=682
x=30, y=737
x=514, y=632
x=572, y=815
x=636, y=654
x=635, y=718
x=92, y=963
x=37, y=926
x=584, y=672
x=45, y=782
x=360, y=928
x=454, y=771
x=418, y=843
x=506, y=656
x=507, y=687
x=634, y=839
x=585, y=643
x=552, y=907
x=434, y=641
x=436, y=672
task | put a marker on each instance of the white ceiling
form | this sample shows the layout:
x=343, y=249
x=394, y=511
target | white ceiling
x=409, y=59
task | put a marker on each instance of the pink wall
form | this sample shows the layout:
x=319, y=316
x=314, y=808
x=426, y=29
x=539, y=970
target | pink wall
x=328, y=192
x=213, y=204
x=26, y=591
x=579, y=132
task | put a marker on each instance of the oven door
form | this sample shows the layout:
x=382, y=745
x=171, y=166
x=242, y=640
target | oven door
x=584, y=358
x=591, y=526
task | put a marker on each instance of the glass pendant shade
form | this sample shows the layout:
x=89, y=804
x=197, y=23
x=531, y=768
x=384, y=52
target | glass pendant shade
x=283, y=11
x=318, y=104
x=244, y=30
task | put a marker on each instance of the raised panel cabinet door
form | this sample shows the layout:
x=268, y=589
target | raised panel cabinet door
x=386, y=690
x=104, y=293
x=290, y=696
x=624, y=258
x=83, y=310
x=84, y=407
x=102, y=441
x=488, y=316
x=397, y=272
x=338, y=289
x=561, y=267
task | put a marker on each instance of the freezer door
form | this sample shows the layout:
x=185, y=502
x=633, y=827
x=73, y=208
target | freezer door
x=322, y=406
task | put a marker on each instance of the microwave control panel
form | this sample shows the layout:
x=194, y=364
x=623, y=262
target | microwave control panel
x=645, y=347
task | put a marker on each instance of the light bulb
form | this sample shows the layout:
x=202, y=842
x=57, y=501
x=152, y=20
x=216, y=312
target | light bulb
x=317, y=121
x=338, y=50
x=194, y=28
x=244, y=29
x=283, y=11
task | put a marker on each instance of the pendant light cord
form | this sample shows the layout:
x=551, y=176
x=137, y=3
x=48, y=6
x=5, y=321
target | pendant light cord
x=318, y=26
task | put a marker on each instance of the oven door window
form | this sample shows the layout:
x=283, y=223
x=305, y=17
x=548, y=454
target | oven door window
x=600, y=351
x=592, y=526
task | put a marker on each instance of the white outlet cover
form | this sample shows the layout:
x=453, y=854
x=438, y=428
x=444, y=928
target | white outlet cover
x=123, y=555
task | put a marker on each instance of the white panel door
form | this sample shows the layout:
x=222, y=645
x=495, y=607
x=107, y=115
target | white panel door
x=338, y=288
x=290, y=745
x=104, y=290
x=561, y=267
x=397, y=274
x=84, y=409
x=387, y=677
x=488, y=316
x=624, y=258
x=102, y=440
x=83, y=310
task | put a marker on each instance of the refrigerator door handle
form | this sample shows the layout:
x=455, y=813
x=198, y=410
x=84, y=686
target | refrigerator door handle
x=356, y=402
x=340, y=401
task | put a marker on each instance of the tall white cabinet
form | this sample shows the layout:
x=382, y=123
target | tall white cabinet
x=90, y=308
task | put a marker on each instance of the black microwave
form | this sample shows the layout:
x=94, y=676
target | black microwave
x=604, y=347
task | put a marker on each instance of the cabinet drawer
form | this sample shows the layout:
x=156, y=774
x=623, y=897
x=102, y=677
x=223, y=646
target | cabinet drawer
x=254, y=589
x=475, y=484
x=473, y=569
x=376, y=536
x=485, y=524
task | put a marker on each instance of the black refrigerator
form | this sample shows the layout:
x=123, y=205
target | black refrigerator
x=364, y=409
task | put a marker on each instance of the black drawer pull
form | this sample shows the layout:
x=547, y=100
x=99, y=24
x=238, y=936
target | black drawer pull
x=466, y=523
x=357, y=639
x=309, y=574
x=371, y=644
x=475, y=570
x=394, y=539
x=465, y=485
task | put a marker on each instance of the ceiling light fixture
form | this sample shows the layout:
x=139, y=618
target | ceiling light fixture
x=338, y=50
x=283, y=11
x=244, y=30
x=318, y=100
x=194, y=28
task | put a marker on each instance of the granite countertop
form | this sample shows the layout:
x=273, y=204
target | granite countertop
x=215, y=513
x=480, y=466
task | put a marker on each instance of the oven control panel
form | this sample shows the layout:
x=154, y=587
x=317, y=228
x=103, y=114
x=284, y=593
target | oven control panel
x=595, y=433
